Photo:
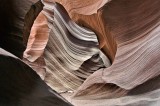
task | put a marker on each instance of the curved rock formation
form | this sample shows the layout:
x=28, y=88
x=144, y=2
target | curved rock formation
x=38, y=38
x=72, y=52
x=127, y=32
x=21, y=86
x=85, y=7
x=136, y=33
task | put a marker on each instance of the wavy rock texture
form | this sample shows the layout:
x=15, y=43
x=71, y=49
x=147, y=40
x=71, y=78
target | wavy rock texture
x=91, y=21
x=12, y=23
x=69, y=51
x=147, y=94
x=136, y=33
x=86, y=7
x=21, y=86
x=72, y=52
x=38, y=38
x=128, y=33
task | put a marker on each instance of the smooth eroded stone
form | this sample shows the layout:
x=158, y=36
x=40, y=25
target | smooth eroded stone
x=38, y=38
x=85, y=7
x=134, y=26
x=21, y=86
x=72, y=52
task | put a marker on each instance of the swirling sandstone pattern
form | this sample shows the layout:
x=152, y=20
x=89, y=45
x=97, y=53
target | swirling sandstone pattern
x=70, y=49
x=85, y=7
x=38, y=38
x=136, y=33
x=128, y=33
x=72, y=52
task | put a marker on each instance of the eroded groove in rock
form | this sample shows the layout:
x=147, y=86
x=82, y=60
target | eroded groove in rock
x=137, y=39
x=135, y=26
x=147, y=94
x=69, y=50
x=33, y=55
x=151, y=98
x=37, y=39
x=93, y=21
x=128, y=33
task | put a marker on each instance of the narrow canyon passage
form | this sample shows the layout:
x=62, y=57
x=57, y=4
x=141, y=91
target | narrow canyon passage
x=90, y=53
